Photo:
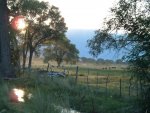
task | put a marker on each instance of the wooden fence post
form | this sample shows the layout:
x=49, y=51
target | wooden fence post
x=130, y=87
x=47, y=67
x=88, y=71
x=87, y=81
x=107, y=85
x=140, y=87
x=137, y=90
x=120, y=88
x=97, y=80
x=77, y=70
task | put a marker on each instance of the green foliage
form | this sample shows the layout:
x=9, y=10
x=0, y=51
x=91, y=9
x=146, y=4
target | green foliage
x=5, y=104
x=130, y=16
x=103, y=72
x=42, y=102
x=50, y=95
x=101, y=61
x=45, y=23
x=4, y=94
x=133, y=18
x=61, y=50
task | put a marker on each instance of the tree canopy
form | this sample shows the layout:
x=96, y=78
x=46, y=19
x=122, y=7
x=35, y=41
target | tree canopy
x=128, y=27
x=44, y=23
x=61, y=50
x=129, y=16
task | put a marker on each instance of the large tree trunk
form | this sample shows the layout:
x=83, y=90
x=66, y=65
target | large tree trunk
x=59, y=60
x=23, y=59
x=25, y=50
x=5, y=57
x=30, y=58
x=31, y=50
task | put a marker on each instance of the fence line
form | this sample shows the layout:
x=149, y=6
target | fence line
x=123, y=87
x=101, y=81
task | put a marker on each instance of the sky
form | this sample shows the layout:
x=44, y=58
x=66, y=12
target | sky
x=83, y=14
x=84, y=17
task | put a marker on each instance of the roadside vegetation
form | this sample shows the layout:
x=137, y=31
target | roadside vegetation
x=90, y=86
x=62, y=94
x=51, y=95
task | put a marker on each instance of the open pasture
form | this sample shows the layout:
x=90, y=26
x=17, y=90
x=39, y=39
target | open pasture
x=109, y=80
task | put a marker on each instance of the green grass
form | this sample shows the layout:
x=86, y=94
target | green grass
x=48, y=94
x=90, y=71
x=97, y=77
x=85, y=68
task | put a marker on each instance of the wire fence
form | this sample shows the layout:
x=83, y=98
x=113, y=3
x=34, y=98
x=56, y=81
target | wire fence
x=110, y=85
x=109, y=81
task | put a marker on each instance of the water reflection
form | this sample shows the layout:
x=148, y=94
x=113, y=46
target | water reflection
x=69, y=111
x=17, y=95
x=65, y=110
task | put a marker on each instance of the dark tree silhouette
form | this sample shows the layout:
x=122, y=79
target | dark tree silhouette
x=133, y=18
x=5, y=57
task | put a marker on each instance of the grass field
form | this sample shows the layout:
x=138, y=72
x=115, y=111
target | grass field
x=101, y=76
x=97, y=90
x=49, y=93
x=113, y=80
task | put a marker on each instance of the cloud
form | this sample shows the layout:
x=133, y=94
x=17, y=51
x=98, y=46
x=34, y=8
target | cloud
x=83, y=14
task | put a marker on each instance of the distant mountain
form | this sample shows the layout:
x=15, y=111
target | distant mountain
x=80, y=37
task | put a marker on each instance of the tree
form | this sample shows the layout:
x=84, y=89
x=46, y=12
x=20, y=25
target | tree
x=52, y=31
x=44, y=23
x=119, y=61
x=88, y=60
x=133, y=18
x=61, y=50
x=6, y=69
x=72, y=56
